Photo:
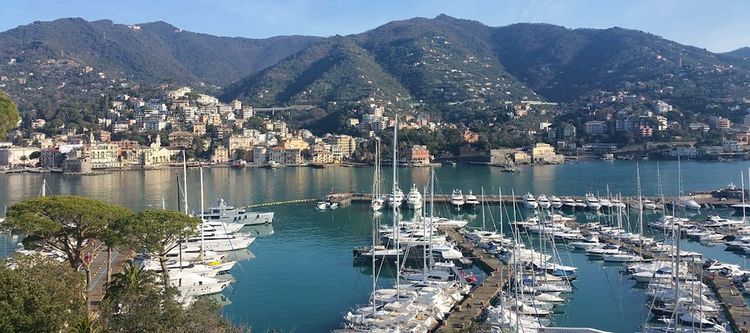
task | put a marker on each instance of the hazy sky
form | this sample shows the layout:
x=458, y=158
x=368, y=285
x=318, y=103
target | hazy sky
x=718, y=25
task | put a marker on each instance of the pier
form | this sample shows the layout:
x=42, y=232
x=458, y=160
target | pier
x=466, y=313
x=730, y=298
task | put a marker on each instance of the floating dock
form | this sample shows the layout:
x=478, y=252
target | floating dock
x=468, y=312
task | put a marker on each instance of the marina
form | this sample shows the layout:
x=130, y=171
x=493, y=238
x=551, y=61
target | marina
x=328, y=237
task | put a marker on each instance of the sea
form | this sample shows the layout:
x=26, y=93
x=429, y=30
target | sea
x=299, y=275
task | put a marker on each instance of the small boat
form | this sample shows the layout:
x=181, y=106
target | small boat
x=377, y=204
x=529, y=201
x=414, y=198
x=471, y=200
x=457, y=199
x=238, y=164
x=585, y=244
x=622, y=257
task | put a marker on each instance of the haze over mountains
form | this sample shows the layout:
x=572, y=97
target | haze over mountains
x=444, y=61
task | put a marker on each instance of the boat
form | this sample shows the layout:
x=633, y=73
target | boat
x=529, y=201
x=272, y=165
x=555, y=202
x=228, y=214
x=592, y=202
x=569, y=203
x=457, y=199
x=414, y=198
x=543, y=202
x=396, y=199
x=621, y=257
x=238, y=164
x=585, y=244
x=471, y=200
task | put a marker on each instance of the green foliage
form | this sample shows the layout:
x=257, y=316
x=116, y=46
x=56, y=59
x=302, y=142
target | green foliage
x=40, y=295
x=156, y=232
x=135, y=302
x=8, y=114
x=63, y=222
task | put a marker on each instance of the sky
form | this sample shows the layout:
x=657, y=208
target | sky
x=718, y=25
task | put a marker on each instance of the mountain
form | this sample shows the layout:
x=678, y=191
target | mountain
x=336, y=69
x=151, y=52
x=741, y=52
x=448, y=61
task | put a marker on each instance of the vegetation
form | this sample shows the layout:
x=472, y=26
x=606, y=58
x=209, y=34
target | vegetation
x=156, y=232
x=8, y=114
x=69, y=224
x=38, y=294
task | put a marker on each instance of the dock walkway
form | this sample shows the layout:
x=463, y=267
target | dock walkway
x=466, y=313
x=730, y=299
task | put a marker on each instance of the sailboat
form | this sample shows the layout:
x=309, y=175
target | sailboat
x=684, y=201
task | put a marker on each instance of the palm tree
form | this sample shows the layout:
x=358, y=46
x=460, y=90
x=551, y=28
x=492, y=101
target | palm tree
x=131, y=278
x=87, y=324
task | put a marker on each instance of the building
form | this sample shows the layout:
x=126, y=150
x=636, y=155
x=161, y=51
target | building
x=241, y=142
x=662, y=106
x=51, y=158
x=731, y=146
x=321, y=154
x=17, y=156
x=199, y=129
x=77, y=161
x=719, y=123
x=220, y=155
x=418, y=155
x=646, y=132
x=181, y=140
x=295, y=143
x=594, y=127
x=470, y=137
x=545, y=153
x=38, y=123
x=153, y=155
x=102, y=136
x=347, y=144
x=260, y=155
x=103, y=155
x=500, y=156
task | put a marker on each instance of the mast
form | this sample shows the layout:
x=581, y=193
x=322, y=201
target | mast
x=484, y=226
x=640, y=199
x=742, y=180
x=395, y=212
x=432, y=210
x=202, y=220
x=500, y=193
x=184, y=183
x=423, y=211
x=44, y=187
x=677, y=275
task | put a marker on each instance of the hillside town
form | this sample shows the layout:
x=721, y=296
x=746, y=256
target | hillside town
x=158, y=131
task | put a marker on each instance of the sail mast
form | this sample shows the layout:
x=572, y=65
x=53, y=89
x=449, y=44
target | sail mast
x=395, y=211
x=184, y=183
x=202, y=233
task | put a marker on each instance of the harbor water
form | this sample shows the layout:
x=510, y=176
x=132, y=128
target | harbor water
x=301, y=278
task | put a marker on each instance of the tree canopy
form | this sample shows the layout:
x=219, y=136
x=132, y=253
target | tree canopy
x=38, y=294
x=64, y=222
x=156, y=232
x=8, y=114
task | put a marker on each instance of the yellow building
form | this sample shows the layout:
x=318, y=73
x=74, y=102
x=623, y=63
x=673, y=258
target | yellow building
x=544, y=153
x=295, y=143
x=104, y=155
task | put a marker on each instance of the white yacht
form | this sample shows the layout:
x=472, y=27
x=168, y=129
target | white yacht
x=592, y=202
x=189, y=284
x=377, y=204
x=569, y=203
x=543, y=202
x=555, y=202
x=395, y=200
x=471, y=199
x=529, y=201
x=220, y=242
x=605, y=203
x=457, y=199
x=228, y=214
x=414, y=198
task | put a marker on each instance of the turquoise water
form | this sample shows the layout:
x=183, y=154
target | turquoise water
x=302, y=278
